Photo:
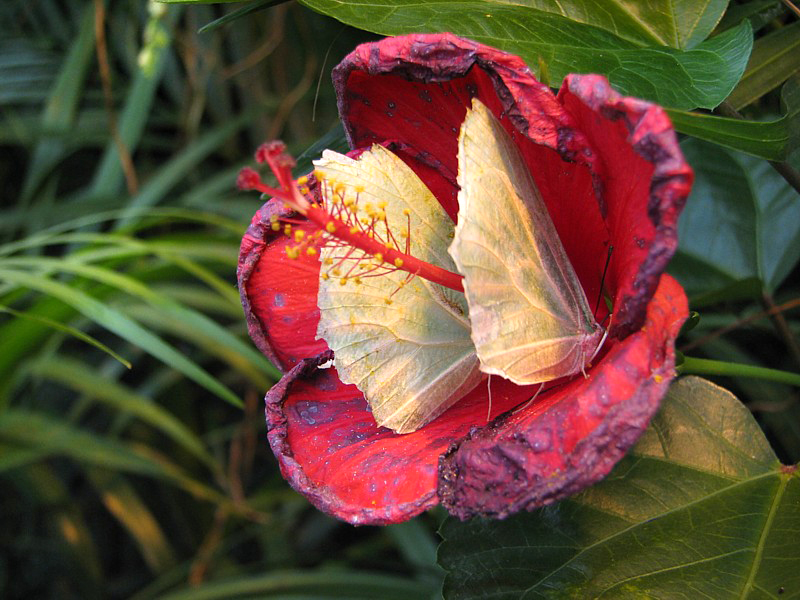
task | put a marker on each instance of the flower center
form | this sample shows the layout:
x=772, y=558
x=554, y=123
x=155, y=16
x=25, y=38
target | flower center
x=361, y=230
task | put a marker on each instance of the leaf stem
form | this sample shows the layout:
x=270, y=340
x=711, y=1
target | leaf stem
x=703, y=366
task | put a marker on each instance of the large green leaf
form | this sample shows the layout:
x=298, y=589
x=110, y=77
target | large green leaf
x=701, y=77
x=700, y=508
x=679, y=24
x=741, y=223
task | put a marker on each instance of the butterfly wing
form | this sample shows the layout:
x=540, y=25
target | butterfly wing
x=530, y=318
x=413, y=357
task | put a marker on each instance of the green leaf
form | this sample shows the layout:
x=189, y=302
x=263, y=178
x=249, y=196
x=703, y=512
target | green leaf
x=54, y=436
x=299, y=584
x=239, y=13
x=121, y=325
x=775, y=58
x=742, y=221
x=77, y=376
x=772, y=140
x=121, y=500
x=700, y=508
x=700, y=77
x=57, y=325
x=679, y=24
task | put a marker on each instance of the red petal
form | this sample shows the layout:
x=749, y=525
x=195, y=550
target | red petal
x=279, y=295
x=644, y=184
x=577, y=434
x=331, y=450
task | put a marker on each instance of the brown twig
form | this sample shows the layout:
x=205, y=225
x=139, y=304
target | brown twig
x=131, y=181
x=783, y=329
x=792, y=7
x=264, y=50
x=773, y=310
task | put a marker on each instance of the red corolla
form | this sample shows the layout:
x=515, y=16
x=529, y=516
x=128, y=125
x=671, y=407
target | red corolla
x=611, y=174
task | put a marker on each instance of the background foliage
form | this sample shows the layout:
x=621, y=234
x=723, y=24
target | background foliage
x=133, y=459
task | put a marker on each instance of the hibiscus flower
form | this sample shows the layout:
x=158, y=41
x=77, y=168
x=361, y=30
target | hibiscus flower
x=611, y=173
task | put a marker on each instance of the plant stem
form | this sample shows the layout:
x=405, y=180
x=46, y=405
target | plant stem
x=702, y=366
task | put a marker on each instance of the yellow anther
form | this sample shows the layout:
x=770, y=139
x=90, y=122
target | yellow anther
x=311, y=251
x=325, y=276
x=292, y=252
x=319, y=175
x=406, y=212
x=302, y=180
x=382, y=204
x=404, y=233
x=368, y=208
x=299, y=235
x=398, y=262
x=330, y=227
x=304, y=189
x=336, y=272
x=287, y=229
x=378, y=257
x=343, y=281
x=276, y=226
x=354, y=229
x=359, y=189
x=381, y=215
x=364, y=220
x=273, y=218
x=328, y=261
x=357, y=280
x=387, y=300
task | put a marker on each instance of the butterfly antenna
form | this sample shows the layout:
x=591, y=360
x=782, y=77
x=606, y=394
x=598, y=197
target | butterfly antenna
x=603, y=280
x=530, y=400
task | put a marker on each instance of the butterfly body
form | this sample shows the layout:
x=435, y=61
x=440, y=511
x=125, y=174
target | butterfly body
x=530, y=319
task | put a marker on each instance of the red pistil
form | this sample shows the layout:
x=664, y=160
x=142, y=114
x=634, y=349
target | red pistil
x=334, y=228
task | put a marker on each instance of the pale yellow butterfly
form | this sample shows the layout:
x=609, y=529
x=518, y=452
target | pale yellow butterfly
x=405, y=342
x=530, y=318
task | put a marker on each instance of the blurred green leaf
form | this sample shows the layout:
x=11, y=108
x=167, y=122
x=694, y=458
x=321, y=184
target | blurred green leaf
x=77, y=376
x=77, y=333
x=758, y=12
x=237, y=14
x=124, y=327
x=121, y=500
x=108, y=177
x=775, y=58
x=700, y=507
x=56, y=437
x=701, y=77
x=332, y=584
x=741, y=221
